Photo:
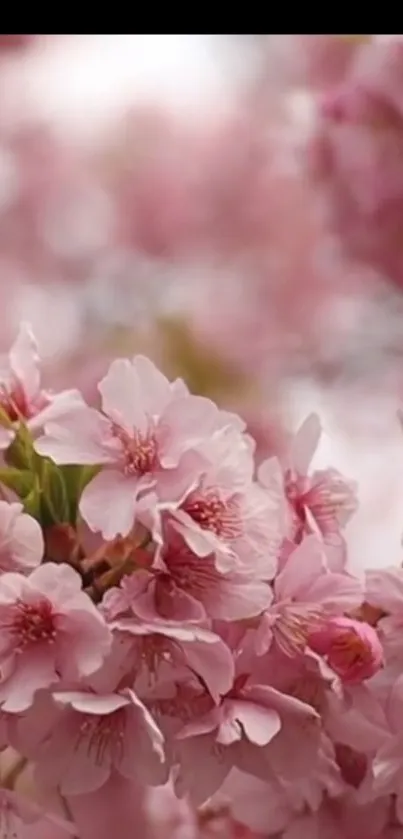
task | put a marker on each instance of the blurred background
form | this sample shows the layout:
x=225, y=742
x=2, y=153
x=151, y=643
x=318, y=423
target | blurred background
x=231, y=206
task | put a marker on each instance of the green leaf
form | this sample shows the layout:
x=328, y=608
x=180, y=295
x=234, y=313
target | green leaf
x=49, y=492
x=19, y=480
x=32, y=502
x=55, y=503
x=88, y=473
x=21, y=454
x=76, y=479
x=5, y=419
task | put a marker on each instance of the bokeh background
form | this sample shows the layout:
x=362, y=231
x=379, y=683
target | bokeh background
x=231, y=206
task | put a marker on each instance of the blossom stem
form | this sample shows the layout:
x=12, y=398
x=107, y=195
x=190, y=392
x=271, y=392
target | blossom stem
x=110, y=578
x=96, y=560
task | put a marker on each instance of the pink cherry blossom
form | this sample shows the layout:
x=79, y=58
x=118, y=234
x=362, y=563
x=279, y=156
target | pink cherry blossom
x=253, y=728
x=352, y=648
x=97, y=734
x=230, y=516
x=154, y=596
x=190, y=588
x=50, y=630
x=305, y=676
x=233, y=595
x=305, y=591
x=21, y=395
x=159, y=648
x=321, y=503
x=147, y=428
x=21, y=539
x=176, y=703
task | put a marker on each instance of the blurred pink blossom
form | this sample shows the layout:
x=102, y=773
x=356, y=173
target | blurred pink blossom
x=355, y=157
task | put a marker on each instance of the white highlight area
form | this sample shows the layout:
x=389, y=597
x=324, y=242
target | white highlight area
x=82, y=81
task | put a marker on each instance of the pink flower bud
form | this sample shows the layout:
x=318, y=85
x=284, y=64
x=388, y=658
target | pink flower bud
x=352, y=648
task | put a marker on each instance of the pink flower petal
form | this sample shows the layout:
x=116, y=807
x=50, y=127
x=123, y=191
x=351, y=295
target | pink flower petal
x=385, y=589
x=21, y=540
x=122, y=397
x=338, y=592
x=78, y=438
x=301, y=570
x=91, y=703
x=201, y=725
x=202, y=770
x=59, y=582
x=185, y=423
x=259, y=724
x=143, y=756
x=86, y=632
x=304, y=444
x=108, y=504
x=156, y=391
x=235, y=597
x=62, y=404
x=114, y=810
x=66, y=759
x=214, y=663
x=24, y=360
x=281, y=702
x=36, y=670
x=161, y=598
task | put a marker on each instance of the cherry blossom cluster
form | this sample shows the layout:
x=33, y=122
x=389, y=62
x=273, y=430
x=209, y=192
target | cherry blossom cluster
x=181, y=633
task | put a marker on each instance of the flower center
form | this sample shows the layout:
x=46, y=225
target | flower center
x=103, y=737
x=187, y=572
x=151, y=651
x=351, y=650
x=325, y=502
x=33, y=622
x=140, y=451
x=212, y=513
x=14, y=403
x=293, y=626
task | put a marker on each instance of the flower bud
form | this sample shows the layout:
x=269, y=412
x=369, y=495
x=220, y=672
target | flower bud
x=352, y=648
